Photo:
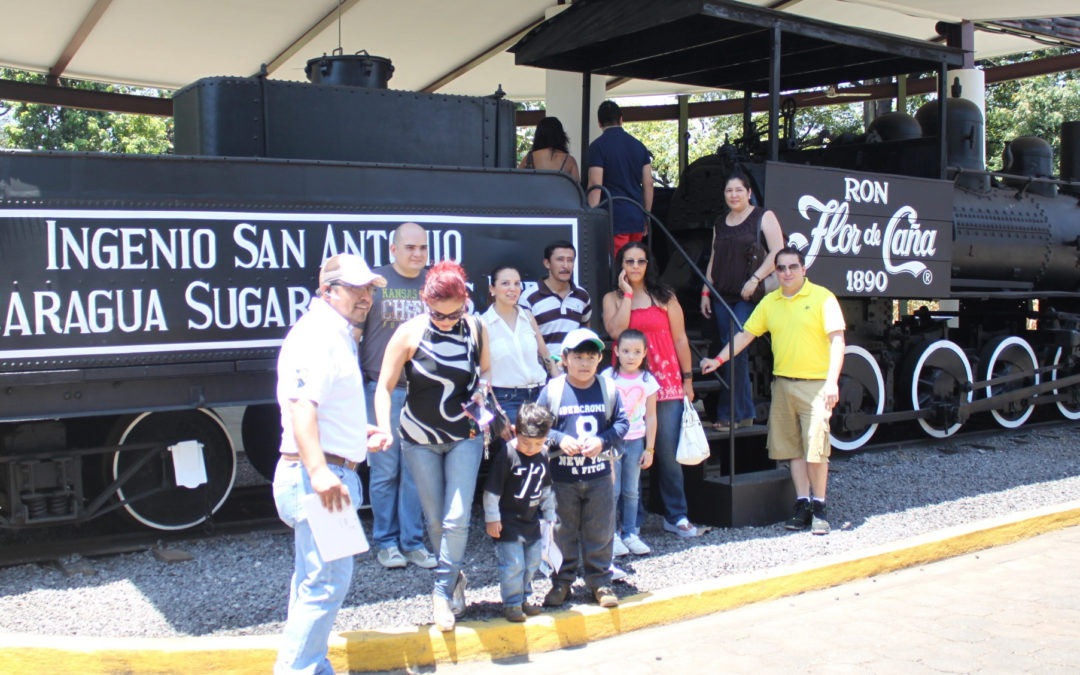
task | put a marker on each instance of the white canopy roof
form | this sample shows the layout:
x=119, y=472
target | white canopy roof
x=449, y=46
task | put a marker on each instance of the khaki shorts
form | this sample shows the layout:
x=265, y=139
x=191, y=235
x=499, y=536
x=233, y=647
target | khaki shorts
x=798, y=421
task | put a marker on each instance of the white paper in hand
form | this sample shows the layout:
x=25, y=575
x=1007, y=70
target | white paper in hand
x=338, y=534
x=549, y=550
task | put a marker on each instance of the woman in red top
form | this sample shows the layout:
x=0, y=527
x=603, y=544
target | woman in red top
x=644, y=303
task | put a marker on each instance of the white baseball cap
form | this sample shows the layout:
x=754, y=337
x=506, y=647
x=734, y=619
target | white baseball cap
x=579, y=336
x=350, y=270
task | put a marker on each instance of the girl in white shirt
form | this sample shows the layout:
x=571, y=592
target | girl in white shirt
x=637, y=389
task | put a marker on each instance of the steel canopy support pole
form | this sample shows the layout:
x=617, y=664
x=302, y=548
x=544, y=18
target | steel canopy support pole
x=942, y=92
x=586, y=96
x=684, y=132
x=774, y=97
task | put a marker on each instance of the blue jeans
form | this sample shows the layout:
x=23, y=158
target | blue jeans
x=318, y=588
x=744, y=396
x=518, y=562
x=627, y=478
x=511, y=399
x=445, y=475
x=670, y=475
x=395, y=505
x=586, y=511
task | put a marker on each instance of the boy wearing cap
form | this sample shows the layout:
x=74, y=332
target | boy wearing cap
x=324, y=435
x=589, y=421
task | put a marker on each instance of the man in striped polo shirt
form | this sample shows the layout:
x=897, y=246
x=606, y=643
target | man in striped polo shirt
x=558, y=305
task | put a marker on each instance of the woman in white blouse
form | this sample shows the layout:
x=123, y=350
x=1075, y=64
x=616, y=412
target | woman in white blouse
x=520, y=363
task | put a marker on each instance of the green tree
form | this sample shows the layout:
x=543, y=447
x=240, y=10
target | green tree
x=40, y=127
x=1034, y=106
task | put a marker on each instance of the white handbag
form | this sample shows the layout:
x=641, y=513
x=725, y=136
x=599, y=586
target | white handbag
x=693, y=446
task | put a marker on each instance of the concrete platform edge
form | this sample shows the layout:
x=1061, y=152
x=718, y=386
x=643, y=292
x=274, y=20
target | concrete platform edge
x=395, y=648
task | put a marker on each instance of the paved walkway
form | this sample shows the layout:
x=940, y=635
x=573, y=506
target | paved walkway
x=1010, y=609
x=1001, y=595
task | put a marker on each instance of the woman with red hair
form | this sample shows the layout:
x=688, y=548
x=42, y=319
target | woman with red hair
x=445, y=358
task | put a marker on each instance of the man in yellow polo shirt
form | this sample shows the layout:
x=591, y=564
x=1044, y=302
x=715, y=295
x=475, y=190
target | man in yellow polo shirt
x=807, y=330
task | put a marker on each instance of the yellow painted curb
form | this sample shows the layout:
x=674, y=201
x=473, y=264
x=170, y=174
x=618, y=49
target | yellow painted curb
x=376, y=650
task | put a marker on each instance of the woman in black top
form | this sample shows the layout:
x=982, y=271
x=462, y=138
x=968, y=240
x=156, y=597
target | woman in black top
x=445, y=357
x=729, y=273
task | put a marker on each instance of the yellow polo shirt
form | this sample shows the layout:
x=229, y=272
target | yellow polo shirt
x=800, y=327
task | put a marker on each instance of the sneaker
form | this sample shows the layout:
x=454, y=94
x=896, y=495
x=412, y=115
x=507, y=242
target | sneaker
x=818, y=524
x=635, y=545
x=800, y=520
x=742, y=424
x=606, y=597
x=440, y=612
x=618, y=548
x=616, y=573
x=556, y=597
x=391, y=558
x=457, y=600
x=422, y=557
x=514, y=613
x=682, y=527
x=530, y=609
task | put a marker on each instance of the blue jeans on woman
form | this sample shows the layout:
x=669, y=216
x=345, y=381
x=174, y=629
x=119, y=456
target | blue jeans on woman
x=445, y=475
x=318, y=587
x=627, y=479
x=744, y=396
x=670, y=475
x=512, y=398
x=518, y=562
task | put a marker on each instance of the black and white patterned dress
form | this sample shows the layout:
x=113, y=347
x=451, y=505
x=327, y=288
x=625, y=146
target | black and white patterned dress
x=440, y=377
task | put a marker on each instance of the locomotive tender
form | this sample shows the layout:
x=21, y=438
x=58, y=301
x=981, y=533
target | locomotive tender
x=141, y=293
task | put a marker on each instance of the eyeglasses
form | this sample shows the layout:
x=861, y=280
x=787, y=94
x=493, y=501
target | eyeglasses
x=788, y=268
x=635, y=261
x=452, y=316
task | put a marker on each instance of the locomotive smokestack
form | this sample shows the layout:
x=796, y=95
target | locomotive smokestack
x=350, y=70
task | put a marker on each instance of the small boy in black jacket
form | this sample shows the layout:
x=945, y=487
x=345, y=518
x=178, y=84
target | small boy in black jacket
x=517, y=490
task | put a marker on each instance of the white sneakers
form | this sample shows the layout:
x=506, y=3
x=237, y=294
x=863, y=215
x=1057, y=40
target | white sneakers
x=633, y=544
x=618, y=547
x=683, y=528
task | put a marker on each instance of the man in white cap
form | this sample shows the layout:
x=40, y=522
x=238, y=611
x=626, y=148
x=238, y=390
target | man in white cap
x=324, y=436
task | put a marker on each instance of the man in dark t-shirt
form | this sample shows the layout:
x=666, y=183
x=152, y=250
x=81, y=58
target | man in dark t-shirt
x=398, y=519
x=623, y=165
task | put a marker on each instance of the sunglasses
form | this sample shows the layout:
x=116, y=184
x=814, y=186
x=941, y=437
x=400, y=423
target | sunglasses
x=452, y=316
x=788, y=268
x=635, y=261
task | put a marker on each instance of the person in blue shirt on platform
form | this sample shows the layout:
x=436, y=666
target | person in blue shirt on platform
x=589, y=422
x=623, y=165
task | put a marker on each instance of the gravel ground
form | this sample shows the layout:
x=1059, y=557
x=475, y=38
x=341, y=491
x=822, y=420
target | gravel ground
x=239, y=586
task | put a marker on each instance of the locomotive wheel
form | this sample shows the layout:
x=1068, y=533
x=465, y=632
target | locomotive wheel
x=862, y=389
x=172, y=507
x=937, y=377
x=1007, y=356
x=1069, y=409
x=260, y=430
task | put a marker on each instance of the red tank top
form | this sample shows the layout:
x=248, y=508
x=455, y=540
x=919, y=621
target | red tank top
x=663, y=361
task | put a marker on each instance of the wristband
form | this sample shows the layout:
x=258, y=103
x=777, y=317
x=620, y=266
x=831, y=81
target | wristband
x=755, y=277
x=687, y=376
x=719, y=360
x=627, y=296
x=704, y=294
x=650, y=450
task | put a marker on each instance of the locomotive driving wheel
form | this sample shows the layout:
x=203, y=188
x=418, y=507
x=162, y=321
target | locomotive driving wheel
x=1008, y=356
x=1063, y=367
x=937, y=377
x=862, y=389
x=155, y=499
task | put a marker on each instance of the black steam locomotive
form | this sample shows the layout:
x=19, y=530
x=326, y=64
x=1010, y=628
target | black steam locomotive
x=141, y=293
